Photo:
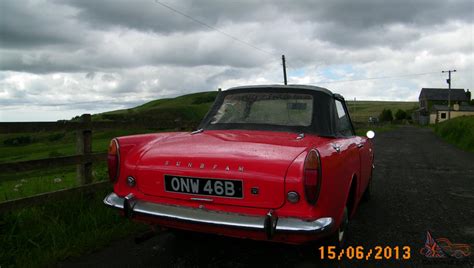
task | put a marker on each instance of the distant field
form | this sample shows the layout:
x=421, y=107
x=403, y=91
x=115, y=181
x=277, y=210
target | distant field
x=361, y=110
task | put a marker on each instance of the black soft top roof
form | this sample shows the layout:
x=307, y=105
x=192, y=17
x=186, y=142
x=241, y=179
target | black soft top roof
x=324, y=110
x=288, y=87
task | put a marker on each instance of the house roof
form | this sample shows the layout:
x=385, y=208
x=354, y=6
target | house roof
x=457, y=94
x=463, y=108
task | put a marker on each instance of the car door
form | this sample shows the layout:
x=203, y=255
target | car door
x=347, y=140
x=365, y=153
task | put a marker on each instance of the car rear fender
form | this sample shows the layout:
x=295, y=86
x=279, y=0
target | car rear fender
x=336, y=181
x=324, y=206
x=130, y=149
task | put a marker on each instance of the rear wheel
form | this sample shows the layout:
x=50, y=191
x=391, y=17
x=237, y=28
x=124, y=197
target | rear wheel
x=338, y=239
x=368, y=191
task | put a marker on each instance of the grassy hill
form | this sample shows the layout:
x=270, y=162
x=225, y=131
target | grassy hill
x=186, y=108
x=193, y=107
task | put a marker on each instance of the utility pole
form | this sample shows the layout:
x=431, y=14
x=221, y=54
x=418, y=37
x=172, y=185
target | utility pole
x=449, y=90
x=284, y=68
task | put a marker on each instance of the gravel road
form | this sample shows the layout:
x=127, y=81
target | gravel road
x=420, y=183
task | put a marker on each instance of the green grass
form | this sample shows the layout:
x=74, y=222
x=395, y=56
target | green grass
x=28, y=183
x=40, y=145
x=360, y=111
x=190, y=108
x=362, y=131
x=42, y=235
x=458, y=131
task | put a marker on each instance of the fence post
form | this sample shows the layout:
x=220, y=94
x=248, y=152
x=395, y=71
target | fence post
x=84, y=147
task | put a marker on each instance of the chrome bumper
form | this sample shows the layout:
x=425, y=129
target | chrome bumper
x=269, y=223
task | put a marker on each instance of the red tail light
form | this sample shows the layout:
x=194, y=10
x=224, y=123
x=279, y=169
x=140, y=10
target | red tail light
x=113, y=160
x=312, y=176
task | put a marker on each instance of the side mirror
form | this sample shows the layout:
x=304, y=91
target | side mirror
x=370, y=134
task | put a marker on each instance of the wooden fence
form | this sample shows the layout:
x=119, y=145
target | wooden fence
x=83, y=159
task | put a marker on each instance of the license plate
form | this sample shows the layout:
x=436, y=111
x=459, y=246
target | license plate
x=202, y=186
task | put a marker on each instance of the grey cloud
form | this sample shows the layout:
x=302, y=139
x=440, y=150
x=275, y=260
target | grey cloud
x=150, y=16
x=90, y=75
x=143, y=15
x=374, y=13
x=117, y=52
x=75, y=35
x=31, y=24
x=147, y=15
x=384, y=35
x=176, y=51
x=228, y=73
x=108, y=78
x=39, y=62
x=365, y=23
x=350, y=18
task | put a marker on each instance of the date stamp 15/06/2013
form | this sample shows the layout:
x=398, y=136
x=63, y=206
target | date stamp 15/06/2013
x=362, y=253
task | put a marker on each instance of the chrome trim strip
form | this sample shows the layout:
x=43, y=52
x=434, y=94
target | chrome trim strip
x=201, y=199
x=297, y=225
x=196, y=215
x=197, y=131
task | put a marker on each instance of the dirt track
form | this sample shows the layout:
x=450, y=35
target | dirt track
x=420, y=184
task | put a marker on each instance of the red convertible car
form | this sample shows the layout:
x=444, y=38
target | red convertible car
x=277, y=163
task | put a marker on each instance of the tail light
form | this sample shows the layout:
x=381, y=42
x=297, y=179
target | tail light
x=312, y=176
x=113, y=160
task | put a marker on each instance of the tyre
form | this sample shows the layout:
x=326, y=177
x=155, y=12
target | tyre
x=368, y=191
x=338, y=239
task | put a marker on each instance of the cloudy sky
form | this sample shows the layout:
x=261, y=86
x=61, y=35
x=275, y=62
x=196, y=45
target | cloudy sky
x=59, y=59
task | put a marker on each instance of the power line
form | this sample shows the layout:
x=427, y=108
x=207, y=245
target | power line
x=214, y=28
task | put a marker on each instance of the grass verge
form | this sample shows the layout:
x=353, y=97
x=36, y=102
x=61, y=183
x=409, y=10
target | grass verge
x=458, y=131
x=42, y=235
x=28, y=183
x=361, y=131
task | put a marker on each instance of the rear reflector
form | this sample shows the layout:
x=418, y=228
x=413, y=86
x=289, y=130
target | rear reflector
x=312, y=176
x=113, y=160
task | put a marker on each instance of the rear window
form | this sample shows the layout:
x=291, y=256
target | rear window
x=281, y=109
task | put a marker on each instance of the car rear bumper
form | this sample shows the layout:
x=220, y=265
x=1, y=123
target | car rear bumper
x=269, y=224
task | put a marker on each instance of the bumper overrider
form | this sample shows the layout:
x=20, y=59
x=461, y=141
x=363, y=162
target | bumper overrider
x=270, y=224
